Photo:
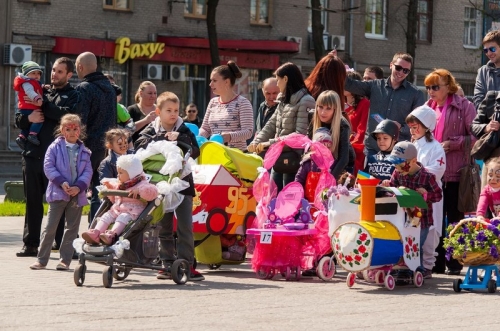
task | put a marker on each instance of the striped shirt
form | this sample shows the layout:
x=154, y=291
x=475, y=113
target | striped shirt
x=234, y=117
x=425, y=179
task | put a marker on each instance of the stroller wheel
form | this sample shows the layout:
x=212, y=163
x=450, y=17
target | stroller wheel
x=79, y=274
x=120, y=273
x=326, y=268
x=107, y=277
x=180, y=271
x=213, y=266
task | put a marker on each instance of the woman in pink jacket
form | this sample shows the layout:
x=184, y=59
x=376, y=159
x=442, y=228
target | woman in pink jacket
x=130, y=178
x=454, y=116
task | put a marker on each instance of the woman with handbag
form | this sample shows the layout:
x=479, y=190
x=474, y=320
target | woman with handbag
x=454, y=116
x=290, y=116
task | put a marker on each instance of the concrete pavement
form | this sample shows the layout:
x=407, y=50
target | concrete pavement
x=231, y=298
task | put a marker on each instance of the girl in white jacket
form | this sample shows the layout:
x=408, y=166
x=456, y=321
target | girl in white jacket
x=422, y=121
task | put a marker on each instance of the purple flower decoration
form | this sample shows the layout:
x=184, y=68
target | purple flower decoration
x=466, y=230
x=496, y=232
x=495, y=222
x=449, y=253
x=481, y=236
x=461, y=240
x=472, y=243
x=494, y=251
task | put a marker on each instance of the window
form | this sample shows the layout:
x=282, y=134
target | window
x=260, y=11
x=36, y=1
x=424, y=21
x=196, y=8
x=472, y=27
x=118, y=4
x=324, y=17
x=376, y=18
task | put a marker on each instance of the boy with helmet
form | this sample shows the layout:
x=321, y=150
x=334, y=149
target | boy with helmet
x=386, y=134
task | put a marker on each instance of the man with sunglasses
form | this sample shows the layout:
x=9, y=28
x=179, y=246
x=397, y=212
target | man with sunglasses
x=392, y=98
x=488, y=76
x=192, y=115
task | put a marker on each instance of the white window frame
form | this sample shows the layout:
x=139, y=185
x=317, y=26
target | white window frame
x=115, y=5
x=371, y=9
x=324, y=17
x=472, y=28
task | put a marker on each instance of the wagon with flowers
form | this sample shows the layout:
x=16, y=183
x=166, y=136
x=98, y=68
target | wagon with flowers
x=475, y=243
x=380, y=241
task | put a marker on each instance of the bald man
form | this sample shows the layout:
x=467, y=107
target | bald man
x=98, y=113
x=266, y=109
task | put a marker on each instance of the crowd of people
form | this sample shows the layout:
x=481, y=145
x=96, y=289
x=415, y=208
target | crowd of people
x=382, y=126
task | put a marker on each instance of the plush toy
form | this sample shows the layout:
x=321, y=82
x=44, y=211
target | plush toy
x=414, y=215
x=233, y=247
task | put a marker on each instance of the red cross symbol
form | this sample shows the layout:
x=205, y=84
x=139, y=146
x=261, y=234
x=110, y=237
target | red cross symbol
x=441, y=161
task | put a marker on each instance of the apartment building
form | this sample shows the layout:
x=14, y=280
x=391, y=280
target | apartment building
x=165, y=41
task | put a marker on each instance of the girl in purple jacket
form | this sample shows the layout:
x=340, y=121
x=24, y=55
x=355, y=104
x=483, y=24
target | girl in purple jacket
x=68, y=169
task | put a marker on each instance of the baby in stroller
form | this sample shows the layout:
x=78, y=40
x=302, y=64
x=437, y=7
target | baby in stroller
x=124, y=209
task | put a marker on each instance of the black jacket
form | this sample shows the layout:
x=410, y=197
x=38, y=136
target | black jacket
x=149, y=134
x=56, y=104
x=98, y=108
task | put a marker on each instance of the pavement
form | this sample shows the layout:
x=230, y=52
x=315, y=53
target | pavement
x=231, y=298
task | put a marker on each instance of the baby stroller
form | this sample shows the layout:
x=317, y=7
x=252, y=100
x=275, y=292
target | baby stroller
x=290, y=236
x=138, y=244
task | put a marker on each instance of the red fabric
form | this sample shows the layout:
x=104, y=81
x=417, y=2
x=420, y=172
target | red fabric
x=359, y=120
x=359, y=163
x=311, y=184
x=18, y=87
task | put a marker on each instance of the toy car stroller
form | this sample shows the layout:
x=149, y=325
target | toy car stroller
x=138, y=244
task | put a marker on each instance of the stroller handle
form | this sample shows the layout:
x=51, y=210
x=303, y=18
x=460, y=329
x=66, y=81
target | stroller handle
x=186, y=147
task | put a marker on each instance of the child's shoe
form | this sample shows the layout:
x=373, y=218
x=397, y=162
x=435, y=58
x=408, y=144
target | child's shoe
x=37, y=266
x=32, y=138
x=91, y=236
x=195, y=276
x=108, y=237
x=21, y=142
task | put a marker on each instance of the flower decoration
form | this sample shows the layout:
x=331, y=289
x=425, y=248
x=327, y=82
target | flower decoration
x=473, y=236
x=411, y=247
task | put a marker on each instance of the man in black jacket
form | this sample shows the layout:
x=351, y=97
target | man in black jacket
x=58, y=100
x=267, y=108
x=98, y=113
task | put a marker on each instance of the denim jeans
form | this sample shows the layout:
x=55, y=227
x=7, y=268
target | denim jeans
x=281, y=179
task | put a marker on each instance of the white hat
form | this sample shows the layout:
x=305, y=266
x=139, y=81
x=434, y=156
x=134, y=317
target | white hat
x=131, y=164
x=426, y=115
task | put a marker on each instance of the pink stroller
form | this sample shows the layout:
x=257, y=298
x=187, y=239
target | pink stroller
x=288, y=235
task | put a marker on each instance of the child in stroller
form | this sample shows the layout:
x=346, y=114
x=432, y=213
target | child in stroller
x=130, y=178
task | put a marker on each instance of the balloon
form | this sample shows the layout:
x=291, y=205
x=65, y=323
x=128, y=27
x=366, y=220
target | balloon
x=201, y=140
x=217, y=138
x=193, y=127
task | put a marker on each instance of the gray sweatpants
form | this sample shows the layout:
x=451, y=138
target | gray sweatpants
x=185, y=241
x=73, y=214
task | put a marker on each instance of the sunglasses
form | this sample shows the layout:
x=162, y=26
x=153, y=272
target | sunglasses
x=434, y=87
x=491, y=49
x=191, y=111
x=406, y=71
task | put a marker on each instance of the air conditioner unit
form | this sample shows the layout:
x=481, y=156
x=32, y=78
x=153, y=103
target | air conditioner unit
x=297, y=40
x=338, y=42
x=16, y=55
x=177, y=73
x=325, y=41
x=153, y=71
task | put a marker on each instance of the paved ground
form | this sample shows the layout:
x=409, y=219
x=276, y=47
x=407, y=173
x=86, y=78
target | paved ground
x=231, y=298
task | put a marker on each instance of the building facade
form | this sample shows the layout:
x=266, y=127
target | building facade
x=165, y=41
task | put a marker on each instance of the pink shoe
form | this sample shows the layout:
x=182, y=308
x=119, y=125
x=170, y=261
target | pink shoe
x=107, y=237
x=91, y=236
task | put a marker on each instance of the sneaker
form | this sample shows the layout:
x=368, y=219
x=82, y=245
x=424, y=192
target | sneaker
x=162, y=274
x=453, y=272
x=55, y=247
x=62, y=266
x=32, y=138
x=195, y=276
x=37, y=266
x=309, y=273
x=27, y=251
x=427, y=273
x=21, y=142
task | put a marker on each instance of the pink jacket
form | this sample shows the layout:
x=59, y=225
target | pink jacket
x=132, y=206
x=488, y=200
x=459, y=116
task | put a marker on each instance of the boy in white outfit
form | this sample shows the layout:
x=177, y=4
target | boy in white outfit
x=422, y=121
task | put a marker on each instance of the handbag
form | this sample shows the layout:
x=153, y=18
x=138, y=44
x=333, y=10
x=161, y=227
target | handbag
x=485, y=145
x=469, y=187
x=288, y=162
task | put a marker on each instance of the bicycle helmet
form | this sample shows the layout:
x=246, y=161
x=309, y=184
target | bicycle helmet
x=388, y=127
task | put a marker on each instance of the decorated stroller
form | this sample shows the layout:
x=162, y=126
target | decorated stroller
x=224, y=205
x=289, y=235
x=383, y=249
x=137, y=246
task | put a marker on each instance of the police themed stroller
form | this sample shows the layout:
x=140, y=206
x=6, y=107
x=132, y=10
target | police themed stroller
x=138, y=245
